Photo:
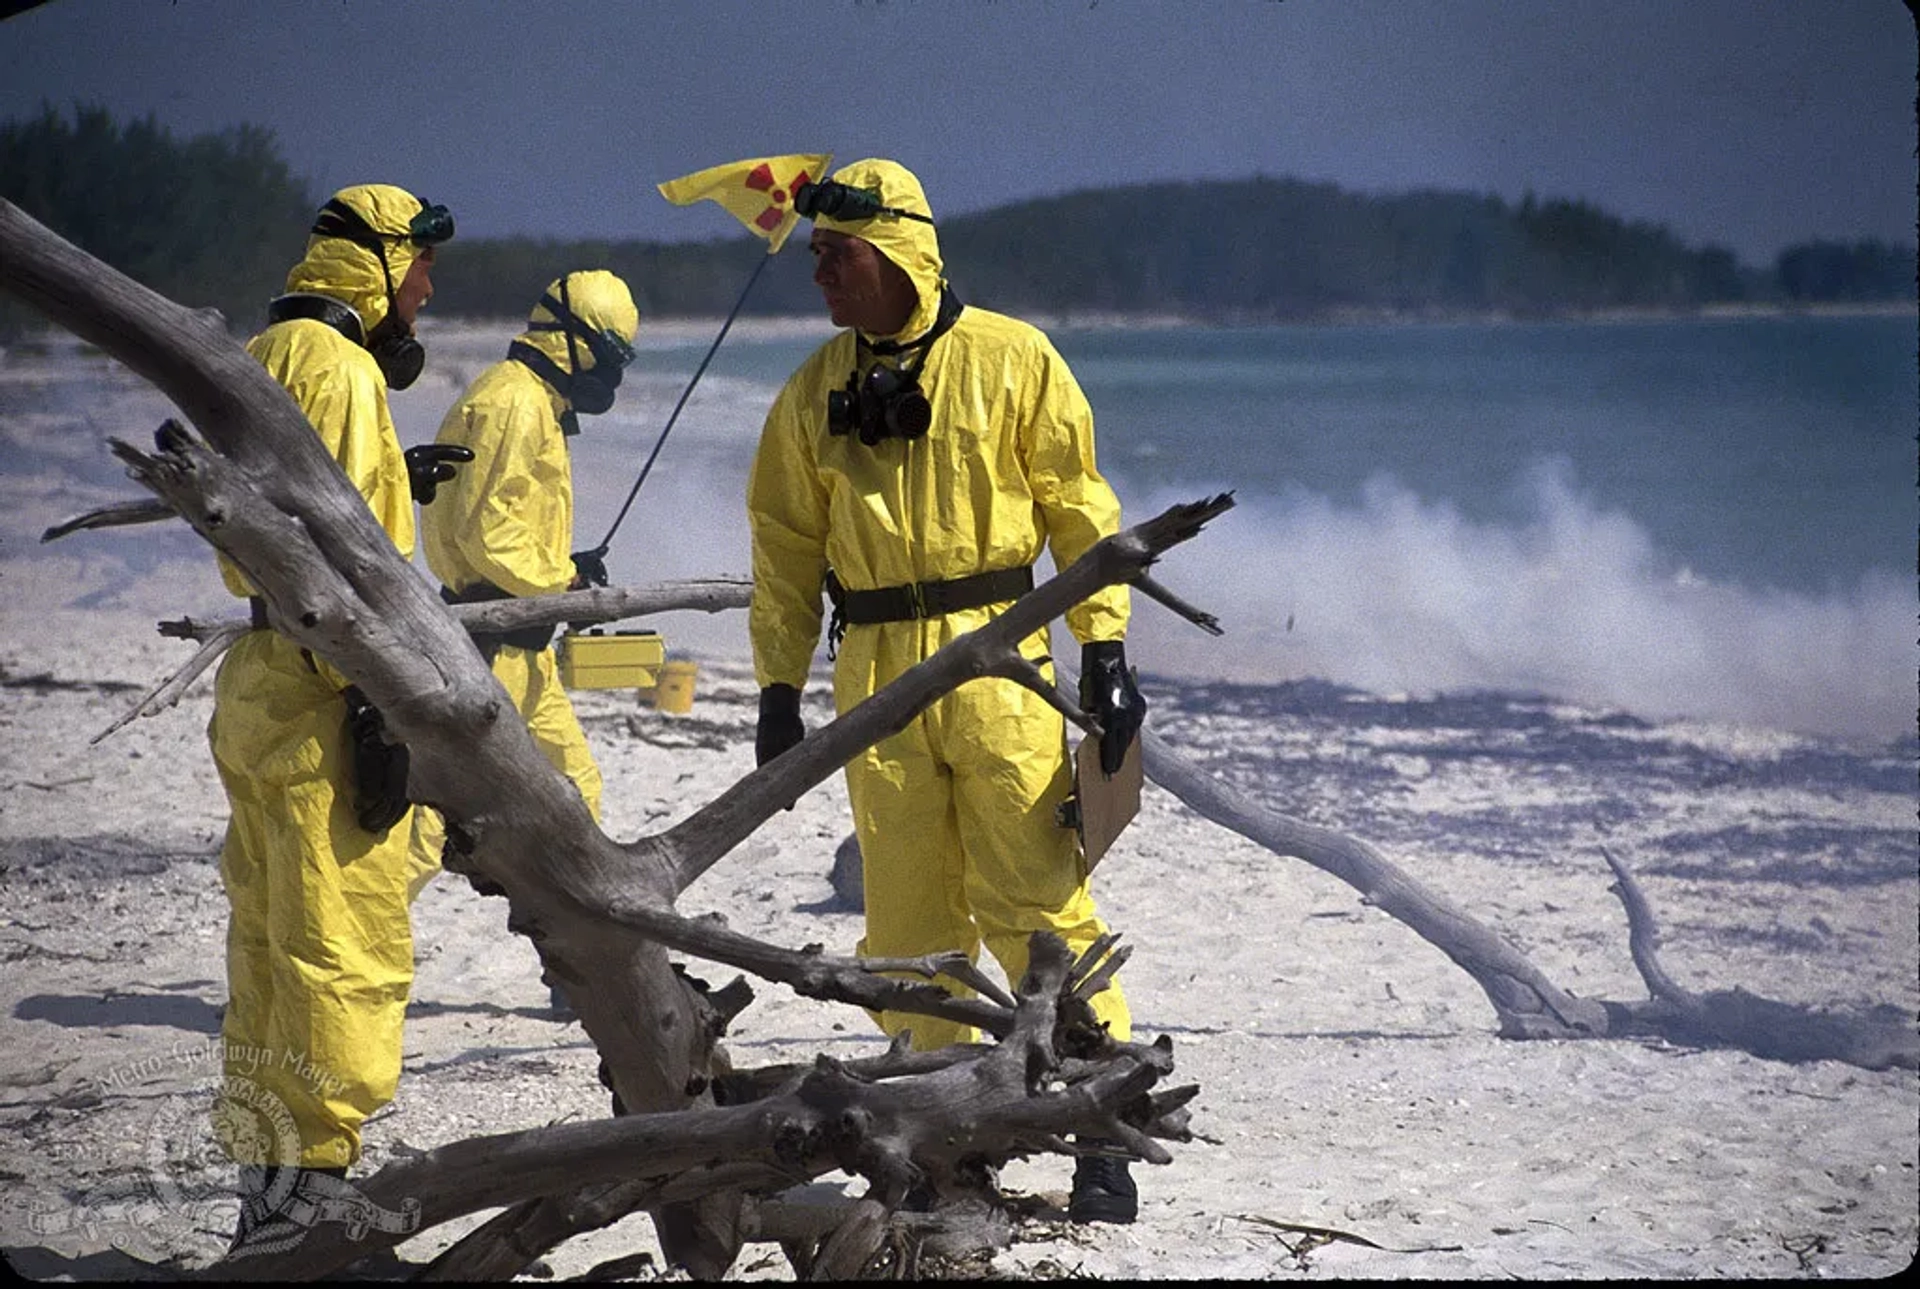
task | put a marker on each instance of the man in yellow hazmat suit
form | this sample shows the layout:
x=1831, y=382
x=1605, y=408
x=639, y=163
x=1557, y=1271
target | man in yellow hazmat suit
x=319, y=949
x=914, y=467
x=504, y=526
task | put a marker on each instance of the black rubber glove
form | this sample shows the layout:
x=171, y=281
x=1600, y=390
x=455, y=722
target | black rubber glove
x=591, y=566
x=379, y=767
x=779, y=727
x=1108, y=694
x=430, y=466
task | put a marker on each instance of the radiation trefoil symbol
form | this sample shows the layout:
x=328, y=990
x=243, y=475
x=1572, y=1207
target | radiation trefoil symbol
x=761, y=180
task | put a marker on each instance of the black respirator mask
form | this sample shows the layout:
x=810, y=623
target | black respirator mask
x=884, y=402
x=398, y=352
x=400, y=355
x=591, y=390
x=881, y=402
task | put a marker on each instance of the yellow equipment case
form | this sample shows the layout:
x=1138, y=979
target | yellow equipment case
x=595, y=659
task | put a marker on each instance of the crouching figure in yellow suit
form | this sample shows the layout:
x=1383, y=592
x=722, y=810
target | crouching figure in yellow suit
x=319, y=947
x=915, y=467
x=504, y=526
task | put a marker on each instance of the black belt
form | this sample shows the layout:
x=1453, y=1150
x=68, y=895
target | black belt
x=926, y=599
x=489, y=642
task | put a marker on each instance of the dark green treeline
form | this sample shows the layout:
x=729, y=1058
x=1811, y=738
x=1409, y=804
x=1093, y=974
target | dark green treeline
x=212, y=220
x=1274, y=249
x=217, y=220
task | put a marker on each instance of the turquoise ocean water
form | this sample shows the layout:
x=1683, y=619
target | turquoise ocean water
x=1713, y=517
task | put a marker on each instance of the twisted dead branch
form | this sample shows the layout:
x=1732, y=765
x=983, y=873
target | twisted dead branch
x=255, y=482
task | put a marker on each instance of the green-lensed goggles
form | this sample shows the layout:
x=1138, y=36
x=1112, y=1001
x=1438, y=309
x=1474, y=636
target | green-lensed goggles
x=609, y=348
x=623, y=353
x=432, y=226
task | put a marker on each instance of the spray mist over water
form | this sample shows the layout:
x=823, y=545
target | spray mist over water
x=1396, y=594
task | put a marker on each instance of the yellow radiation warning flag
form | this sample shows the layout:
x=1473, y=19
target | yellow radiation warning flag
x=758, y=192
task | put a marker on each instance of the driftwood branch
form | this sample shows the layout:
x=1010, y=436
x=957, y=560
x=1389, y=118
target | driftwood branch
x=897, y=1122
x=1735, y=1018
x=1643, y=937
x=591, y=607
x=122, y=514
x=581, y=608
x=255, y=482
x=1527, y=1003
x=169, y=691
x=1207, y=622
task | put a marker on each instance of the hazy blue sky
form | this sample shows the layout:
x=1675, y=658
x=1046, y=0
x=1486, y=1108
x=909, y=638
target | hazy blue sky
x=1749, y=123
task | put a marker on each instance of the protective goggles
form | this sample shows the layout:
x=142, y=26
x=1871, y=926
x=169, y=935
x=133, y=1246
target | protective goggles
x=845, y=203
x=610, y=350
x=432, y=226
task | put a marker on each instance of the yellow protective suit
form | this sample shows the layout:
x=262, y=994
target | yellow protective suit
x=319, y=948
x=507, y=519
x=955, y=814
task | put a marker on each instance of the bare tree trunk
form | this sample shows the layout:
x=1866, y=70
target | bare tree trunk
x=602, y=604
x=1527, y=1003
x=260, y=487
x=894, y=1120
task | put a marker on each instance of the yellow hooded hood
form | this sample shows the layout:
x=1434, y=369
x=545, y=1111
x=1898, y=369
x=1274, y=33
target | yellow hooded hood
x=598, y=298
x=910, y=244
x=350, y=273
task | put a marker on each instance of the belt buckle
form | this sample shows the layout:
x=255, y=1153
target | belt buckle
x=917, y=599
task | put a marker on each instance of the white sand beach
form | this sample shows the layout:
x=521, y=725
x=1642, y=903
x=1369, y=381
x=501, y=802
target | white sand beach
x=1350, y=1075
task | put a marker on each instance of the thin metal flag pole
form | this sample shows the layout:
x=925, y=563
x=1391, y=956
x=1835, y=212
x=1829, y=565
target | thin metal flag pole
x=607, y=541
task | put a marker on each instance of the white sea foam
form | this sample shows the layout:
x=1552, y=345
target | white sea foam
x=1399, y=594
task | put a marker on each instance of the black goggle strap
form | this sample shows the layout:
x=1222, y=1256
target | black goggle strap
x=337, y=219
x=563, y=310
x=917, y=348
x=610, y=352
x=895, y=212
x=433, y=225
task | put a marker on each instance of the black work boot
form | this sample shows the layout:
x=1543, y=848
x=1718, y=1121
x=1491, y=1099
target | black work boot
x=266, y=1192
x=1103, y=1190
x=257, y=1182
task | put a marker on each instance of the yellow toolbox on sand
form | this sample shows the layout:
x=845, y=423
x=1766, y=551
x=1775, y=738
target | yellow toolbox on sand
x=596, y=659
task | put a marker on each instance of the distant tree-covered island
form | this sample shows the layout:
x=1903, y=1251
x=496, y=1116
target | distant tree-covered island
x=215, y=219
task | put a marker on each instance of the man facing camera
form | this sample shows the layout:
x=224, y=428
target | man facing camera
x=914, y=468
